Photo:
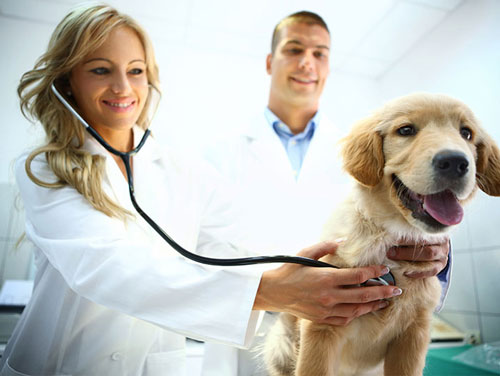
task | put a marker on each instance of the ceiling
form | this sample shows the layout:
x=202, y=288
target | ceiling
x=368, y=36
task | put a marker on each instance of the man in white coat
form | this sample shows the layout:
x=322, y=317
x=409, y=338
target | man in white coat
x=286, y=168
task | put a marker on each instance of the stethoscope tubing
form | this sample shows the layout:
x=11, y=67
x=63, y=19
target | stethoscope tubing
x=125, y=157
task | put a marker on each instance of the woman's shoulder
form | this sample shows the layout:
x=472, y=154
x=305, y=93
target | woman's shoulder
x=37, y=166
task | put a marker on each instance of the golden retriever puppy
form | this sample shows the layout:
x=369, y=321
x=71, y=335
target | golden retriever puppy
x=416, y=161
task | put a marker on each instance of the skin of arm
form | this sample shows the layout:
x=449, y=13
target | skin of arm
x=322, y=295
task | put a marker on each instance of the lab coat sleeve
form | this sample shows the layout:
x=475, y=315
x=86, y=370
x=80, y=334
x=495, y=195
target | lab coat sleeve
x=445, y=279
x=102, y=262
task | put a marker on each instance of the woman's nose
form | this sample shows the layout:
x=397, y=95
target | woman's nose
x=120, y=83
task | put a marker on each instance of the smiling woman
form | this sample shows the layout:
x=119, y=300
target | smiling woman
x=84, y=35
x=110, y=297
x=110, y=87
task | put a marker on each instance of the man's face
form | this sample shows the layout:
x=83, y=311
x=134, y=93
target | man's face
x=300, y=65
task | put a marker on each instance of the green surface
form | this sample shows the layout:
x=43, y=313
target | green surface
x=440, y=363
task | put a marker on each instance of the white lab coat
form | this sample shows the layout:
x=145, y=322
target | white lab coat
x=279, y=214
x=112, y=298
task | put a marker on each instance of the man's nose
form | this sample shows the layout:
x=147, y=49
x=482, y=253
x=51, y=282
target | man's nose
x=306, y=61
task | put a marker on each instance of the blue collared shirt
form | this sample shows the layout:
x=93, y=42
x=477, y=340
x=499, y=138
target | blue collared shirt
x=296, y=145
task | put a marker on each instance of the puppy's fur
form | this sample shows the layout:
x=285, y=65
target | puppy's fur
x=415, y=162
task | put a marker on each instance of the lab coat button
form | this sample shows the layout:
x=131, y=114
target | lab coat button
x=116, y=356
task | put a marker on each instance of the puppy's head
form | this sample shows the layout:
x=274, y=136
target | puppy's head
x=427, y=154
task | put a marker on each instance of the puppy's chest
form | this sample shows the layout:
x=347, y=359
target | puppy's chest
x=351, y=254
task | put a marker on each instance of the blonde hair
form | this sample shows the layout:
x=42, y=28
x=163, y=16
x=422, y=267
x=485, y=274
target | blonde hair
x=81, y=32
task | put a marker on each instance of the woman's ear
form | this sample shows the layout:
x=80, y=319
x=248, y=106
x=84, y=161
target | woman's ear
x=362, y=153
x=488, y=167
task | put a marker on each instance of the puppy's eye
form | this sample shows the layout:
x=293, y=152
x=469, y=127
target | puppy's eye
x=466, y=133
x=407, y=130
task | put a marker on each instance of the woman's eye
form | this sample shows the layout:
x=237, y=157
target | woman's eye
x=100, y=71
x=466, y=133
x=407, y=130
x=136, y=71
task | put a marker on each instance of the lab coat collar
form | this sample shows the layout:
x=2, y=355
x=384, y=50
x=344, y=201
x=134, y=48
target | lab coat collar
x=115, y=180
x=148, y=151
x=252, y=132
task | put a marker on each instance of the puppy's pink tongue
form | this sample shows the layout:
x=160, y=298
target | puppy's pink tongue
x=444, y=208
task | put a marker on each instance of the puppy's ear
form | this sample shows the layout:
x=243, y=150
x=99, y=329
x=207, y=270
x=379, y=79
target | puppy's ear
x=362, y=153
x=488, y=167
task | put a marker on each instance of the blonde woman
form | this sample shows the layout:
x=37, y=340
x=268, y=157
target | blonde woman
x=110, y=297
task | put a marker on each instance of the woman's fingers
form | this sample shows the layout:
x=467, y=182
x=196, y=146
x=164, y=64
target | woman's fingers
x=356, y=276
x=343, y=314
x=319, y=250
x=366, y=294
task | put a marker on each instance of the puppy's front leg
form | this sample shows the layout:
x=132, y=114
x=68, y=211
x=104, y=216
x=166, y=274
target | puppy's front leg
x=406, y=354
x=318, y=350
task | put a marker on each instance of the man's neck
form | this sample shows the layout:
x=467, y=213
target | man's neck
x=296, y=118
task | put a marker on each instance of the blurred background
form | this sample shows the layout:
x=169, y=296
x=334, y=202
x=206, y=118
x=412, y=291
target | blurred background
x=212, y=66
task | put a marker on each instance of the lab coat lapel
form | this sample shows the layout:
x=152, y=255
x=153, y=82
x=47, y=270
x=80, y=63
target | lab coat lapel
x=114, y=183
x=322, y=156
x=266, y=147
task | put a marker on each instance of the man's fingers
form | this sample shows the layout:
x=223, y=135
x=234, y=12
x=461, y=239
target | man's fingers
x=435, y=270
x=417, y=253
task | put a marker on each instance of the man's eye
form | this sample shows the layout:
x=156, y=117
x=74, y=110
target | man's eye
x=295, y=50
x=407, y=130
x=100, y=71
x=319, y=54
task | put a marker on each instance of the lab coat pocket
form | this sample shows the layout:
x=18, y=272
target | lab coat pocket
x=7, y=370
x=166, y=363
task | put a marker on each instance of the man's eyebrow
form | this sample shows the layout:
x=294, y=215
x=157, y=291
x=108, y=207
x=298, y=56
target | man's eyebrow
x=296, y=41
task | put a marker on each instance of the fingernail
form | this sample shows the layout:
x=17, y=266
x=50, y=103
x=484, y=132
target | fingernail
x=385, y=270
x=340, y=240
x=397, y=291
x=383, y=304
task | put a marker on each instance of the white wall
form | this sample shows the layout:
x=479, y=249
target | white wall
x=211, y=84
x=461, y=57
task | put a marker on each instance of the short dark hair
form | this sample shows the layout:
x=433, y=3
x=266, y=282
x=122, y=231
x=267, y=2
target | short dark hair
x=303, y=16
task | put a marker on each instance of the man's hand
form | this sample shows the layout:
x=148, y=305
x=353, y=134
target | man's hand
x=437, y=254
x=323, y=295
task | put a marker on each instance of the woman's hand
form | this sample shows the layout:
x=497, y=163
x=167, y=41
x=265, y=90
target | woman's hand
x=322, y=295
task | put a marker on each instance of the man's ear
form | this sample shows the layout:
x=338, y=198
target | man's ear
x=269, y=57
x=362, y=153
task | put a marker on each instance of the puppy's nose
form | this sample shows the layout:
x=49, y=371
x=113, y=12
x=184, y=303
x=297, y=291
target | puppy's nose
x=450, y=164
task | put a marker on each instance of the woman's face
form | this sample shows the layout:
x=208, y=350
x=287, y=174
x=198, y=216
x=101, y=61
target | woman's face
x=110, y=85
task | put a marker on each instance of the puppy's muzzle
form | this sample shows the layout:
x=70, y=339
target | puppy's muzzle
x=450, y=164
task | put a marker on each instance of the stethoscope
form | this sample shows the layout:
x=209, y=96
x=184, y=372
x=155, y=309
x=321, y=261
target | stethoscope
x=387, y=279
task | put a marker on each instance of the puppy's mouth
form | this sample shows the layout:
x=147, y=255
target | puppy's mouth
x=437, y=210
